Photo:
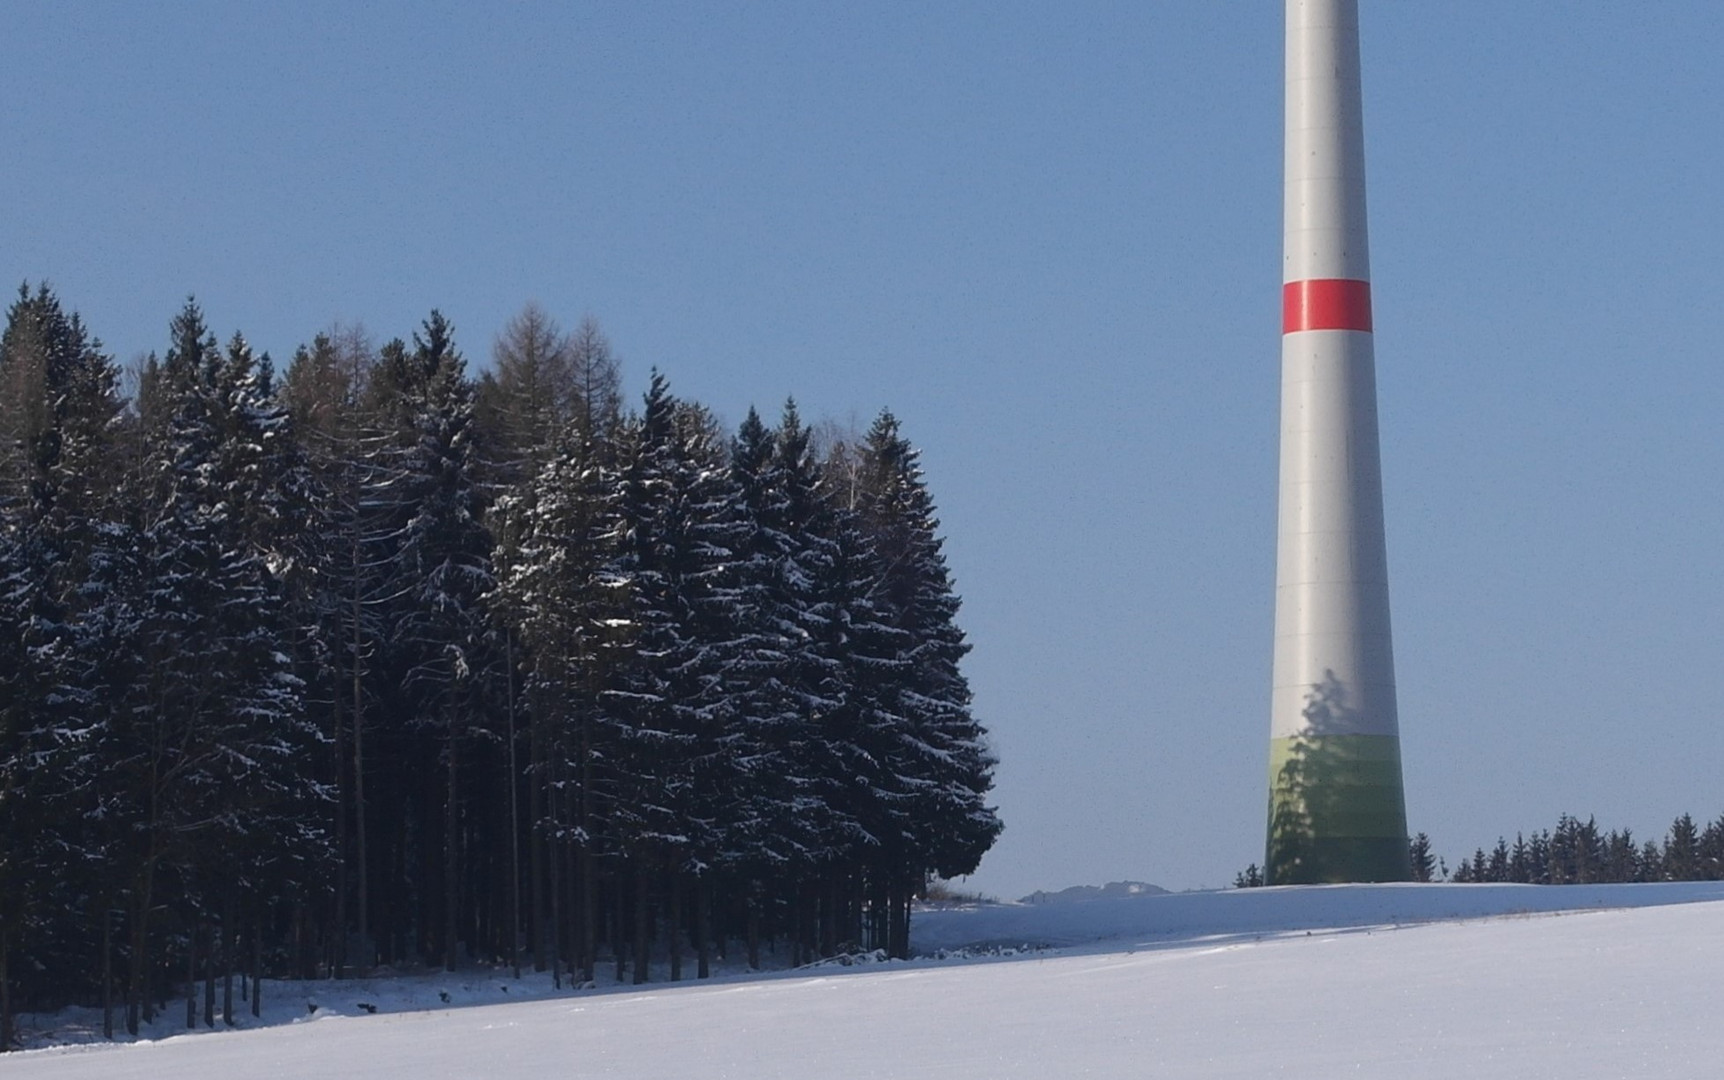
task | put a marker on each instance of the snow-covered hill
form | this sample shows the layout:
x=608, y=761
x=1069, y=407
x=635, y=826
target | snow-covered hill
x=1403, y=981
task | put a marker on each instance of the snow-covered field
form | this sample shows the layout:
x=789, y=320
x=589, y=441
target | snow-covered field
x=1445, y=981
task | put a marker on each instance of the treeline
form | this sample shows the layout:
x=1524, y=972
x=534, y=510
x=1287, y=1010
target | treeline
x=1574, y=853
x=373, y=663
x=1577, y=852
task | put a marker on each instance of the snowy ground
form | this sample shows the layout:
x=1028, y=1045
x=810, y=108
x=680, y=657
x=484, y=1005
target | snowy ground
x=1405, y=981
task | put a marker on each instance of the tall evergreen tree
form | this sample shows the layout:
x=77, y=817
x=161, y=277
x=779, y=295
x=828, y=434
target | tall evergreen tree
x=438, y=637
x=557, y=587
x=57, y=410
x=945, y=765
x=206, y=753
x=676, y=790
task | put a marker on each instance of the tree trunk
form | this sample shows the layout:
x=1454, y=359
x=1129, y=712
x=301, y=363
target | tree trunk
x=191, y=978
x=754, y=933
x=134, y=999
x=879, y=911
x=338, y=743
x=257, y=967
x=7, y=1035
x=589, y=916
x=227, y=937
x=451, y=877
x=299, y=963
x=673, y=927
x=551, y=936
x=618, y=944
x=643, y=927
x=137, y=1002
x=361, y=866
x=588, y=885
x=829, y=913
x=898, y=946
x=536, y=840
x=514, y=824
x=107, y=972
x=209, y=977
x=702, y=933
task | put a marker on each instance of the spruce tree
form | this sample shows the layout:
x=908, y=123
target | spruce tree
x=558, y=589
x=944, y=762
x=438, y=631
x=205, y=750
x=1424, y=863
x=677, y=790
x=57, y=407
x=1682, y=850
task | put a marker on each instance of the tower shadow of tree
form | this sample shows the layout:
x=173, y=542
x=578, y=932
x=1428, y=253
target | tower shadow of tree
x=1320, y=801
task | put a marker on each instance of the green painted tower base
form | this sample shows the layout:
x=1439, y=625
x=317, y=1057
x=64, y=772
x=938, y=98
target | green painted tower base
x=1336, y=811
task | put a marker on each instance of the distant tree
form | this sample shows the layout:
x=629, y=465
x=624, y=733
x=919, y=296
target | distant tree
x=597, y=377
x=1498, y=867
x=1619, y=857
x=1251, y=877
x=1539, y=859
x=1682, y=851
x=1520, y=861
x=527, y=396
x=1650, y=865
x=1578, y=852
x=1423, y=862
x=1712, y=851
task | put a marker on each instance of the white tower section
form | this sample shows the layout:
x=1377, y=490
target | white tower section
x=1336, y=808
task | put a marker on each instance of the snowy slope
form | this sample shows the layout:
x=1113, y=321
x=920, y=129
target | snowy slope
x=1195, y=985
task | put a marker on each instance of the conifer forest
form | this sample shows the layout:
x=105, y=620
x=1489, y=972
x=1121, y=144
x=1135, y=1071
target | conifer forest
x=364, y=662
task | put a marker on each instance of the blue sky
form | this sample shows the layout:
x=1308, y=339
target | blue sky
x=1049, y=240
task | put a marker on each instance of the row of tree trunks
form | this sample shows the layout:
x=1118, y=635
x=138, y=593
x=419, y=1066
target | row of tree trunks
x=216, y=949
x=645, y=911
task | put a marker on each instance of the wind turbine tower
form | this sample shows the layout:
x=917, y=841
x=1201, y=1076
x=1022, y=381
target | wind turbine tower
x=1337, y=811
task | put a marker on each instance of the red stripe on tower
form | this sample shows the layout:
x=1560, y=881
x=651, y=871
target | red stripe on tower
x=1326, y=304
